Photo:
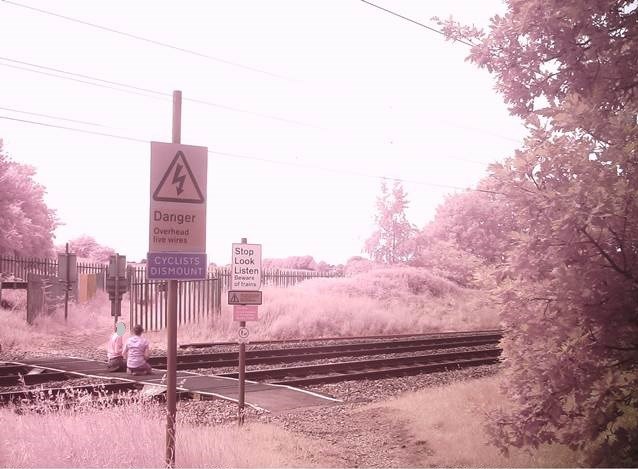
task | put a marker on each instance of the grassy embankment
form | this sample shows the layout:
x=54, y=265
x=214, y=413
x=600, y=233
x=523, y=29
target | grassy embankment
x=386, y=301
x=449, y=419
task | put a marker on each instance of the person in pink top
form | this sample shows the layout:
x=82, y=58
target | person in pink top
x=114, y=349
x=136, y=352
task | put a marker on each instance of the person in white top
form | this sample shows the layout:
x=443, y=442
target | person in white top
x=136, y=352
x=114, y=349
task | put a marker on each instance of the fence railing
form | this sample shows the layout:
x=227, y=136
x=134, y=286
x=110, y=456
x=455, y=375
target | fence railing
x=20, y=267
x=270, y=277
x=196, y=299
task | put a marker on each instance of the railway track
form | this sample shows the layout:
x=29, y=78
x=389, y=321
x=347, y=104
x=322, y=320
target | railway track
x=309, y=364
x=371, y=369
x=312, y=353
x=367, y=338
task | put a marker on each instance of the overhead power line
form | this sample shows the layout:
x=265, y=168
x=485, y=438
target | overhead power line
x=248, y=157
x=150, y=93
x=430, y=28
x=73, y=129
x=49, y=116
x=132, y=89
x=147, y=40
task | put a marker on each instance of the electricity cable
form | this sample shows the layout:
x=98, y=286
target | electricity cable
x=147, y=40
x=417, y=23
x=141, y=91
x=49, y=116
x=137, y=90
x=267, y=160
x=465, y=160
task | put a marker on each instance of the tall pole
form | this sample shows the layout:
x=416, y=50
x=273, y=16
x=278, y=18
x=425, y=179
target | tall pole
x=171, y=362
x=117, y=289
x=66, y=283
x=242, y=370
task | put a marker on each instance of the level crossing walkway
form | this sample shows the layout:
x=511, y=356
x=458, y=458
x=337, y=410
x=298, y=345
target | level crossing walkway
x=269, y=397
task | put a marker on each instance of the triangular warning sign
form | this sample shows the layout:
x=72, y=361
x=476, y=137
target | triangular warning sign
x=178, y=183
x=234, y=299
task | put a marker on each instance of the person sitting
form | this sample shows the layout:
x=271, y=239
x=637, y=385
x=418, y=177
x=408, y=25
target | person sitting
x=114, y=350
x=136, y=353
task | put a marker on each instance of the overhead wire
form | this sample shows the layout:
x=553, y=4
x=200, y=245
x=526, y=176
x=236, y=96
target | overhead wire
x=49, y=116
x=150, y=93
x=127, y=88
x=255, y=158
x=147, y=40
x=430, y=28
x=137, y=90
x=465, y=160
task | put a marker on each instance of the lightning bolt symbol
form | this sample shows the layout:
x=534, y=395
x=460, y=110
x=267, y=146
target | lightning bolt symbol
x=177, y=179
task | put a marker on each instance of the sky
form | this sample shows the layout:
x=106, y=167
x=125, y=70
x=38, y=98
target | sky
x=303, y=106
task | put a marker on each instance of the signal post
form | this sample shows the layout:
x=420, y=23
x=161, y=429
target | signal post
x=245, y=296
x=177, y=237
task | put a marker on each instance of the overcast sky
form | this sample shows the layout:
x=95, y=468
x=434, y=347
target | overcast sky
x=303, y=105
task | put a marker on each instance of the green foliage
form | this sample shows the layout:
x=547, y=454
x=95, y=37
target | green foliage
x=569, y=280
x=26, y=224
x=393, y=240
x=88, y=248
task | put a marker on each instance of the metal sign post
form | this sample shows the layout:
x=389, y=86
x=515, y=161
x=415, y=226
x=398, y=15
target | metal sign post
x=176, y=237
x=171, y=361
x=242, y=369
x=245, y=295
x=116, y=284
x=67, y=284
x=67, y=274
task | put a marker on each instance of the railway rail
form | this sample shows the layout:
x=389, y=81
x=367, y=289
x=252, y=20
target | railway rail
x=342, y=359
x=369, y=369
x=311, y=353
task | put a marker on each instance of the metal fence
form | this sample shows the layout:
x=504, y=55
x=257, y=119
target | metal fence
x=148, y=300
x=20, y=267
x=196, y=299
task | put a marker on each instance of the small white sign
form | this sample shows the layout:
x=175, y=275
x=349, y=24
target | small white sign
x=242, y=335
x=246, y=267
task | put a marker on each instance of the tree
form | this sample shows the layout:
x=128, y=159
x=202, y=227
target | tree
x=393, y=240
x=570, y=301
x=88, y=248
x=26, y=223
x=469, y=235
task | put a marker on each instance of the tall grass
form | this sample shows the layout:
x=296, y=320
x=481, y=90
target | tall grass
x=87, y=325
x=133, y=435
x=449, y=423
x=383, y=301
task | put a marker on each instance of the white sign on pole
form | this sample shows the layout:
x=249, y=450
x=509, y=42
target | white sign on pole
x=246, y=267
x=178, y=198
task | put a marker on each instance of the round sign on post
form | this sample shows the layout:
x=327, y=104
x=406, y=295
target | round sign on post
x=242, y=335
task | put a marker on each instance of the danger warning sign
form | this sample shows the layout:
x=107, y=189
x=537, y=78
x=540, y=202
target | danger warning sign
x=179, y=184
x=177, y=221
